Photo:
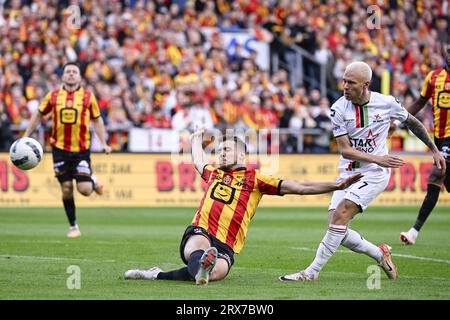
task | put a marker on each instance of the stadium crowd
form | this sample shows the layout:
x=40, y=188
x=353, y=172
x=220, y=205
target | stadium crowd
x=151, y=64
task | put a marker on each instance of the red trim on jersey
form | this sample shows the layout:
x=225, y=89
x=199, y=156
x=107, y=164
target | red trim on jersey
x=267, y=188
x=55, y=116
x=430, y=85
x=358, y=120
x=433, y=83
x=68, y=127
x=214, y=216
x=240, y=210
x=198, y=214
x=443, y=113
x=83, y=127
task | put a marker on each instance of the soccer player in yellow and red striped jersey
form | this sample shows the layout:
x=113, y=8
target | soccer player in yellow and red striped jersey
x=436, y=87
x=72, y=108
x=219, y=227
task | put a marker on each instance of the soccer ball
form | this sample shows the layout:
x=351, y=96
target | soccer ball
x=25, y=153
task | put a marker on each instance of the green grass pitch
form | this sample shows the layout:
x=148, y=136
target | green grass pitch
x=35, y=255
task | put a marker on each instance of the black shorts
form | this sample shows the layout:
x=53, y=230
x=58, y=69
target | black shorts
x=72, y=165
x=444, y=147
x=225, y=252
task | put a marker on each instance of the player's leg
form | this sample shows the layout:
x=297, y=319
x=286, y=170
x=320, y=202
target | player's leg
x=68, y=201
x=435, y=181
x=86, y=181
x=181, y=274
x=345, y=204
x=63, y=172
x=355, y=242
x=220, y=271
x=200, y=258
x=336, y=232
x=332, y=239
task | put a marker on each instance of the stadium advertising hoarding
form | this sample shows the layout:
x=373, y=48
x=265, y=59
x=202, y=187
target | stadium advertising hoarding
x=156, y=180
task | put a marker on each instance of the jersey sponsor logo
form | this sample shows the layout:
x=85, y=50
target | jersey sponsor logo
x=443, y=100
x=366, y=145
x=223, y=193
x=68, y=116
x=378, y=118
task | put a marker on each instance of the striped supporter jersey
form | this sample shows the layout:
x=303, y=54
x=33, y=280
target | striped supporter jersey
x=71, y=114
x=437, y=87
x=231, y=201
x=366, y=126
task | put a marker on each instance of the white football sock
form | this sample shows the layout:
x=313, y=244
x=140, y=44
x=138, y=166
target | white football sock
x=413, y=232
x=327, y=248
x=355, y=242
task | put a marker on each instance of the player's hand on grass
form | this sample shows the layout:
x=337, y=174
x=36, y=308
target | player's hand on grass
x=389, y=161
x=345, y=183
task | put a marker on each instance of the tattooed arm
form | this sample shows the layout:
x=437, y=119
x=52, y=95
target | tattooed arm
x=419, y=130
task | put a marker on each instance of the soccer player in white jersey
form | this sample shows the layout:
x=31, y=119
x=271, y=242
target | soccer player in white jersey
x=361, y=121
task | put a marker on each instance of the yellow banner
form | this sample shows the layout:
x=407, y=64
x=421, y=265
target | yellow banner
x=156, y=180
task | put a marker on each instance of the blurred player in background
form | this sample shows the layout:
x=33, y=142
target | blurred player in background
x=72, y=108
x=437, y=87
x=220, y=225
x=361, y=120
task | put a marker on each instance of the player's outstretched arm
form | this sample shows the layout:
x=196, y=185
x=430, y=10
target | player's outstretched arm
x=348, y=152
x=421, y=132
x=295, y=187
x=199, y=158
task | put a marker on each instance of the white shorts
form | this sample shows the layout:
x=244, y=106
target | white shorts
x=364, y=191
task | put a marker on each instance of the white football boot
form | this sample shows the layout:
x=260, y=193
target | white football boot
x=299, y=276
x=409, y=237
x=136, y=274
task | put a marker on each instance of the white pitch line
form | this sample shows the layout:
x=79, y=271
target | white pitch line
x=8, y=256
x=393, y=254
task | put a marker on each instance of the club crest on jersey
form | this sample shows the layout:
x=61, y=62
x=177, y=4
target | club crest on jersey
x=366, y=145
x=227, y=180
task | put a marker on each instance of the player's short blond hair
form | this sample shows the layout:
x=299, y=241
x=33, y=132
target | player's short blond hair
x=362, y=68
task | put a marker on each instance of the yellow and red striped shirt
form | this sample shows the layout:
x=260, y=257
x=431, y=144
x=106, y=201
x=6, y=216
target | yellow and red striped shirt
x=437, y=87
x=231, y=201
x=71, y=114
